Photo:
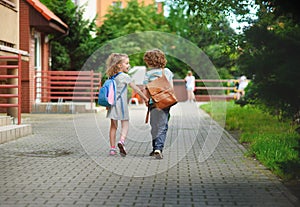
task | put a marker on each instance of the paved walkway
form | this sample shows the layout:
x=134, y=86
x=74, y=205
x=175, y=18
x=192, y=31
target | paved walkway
x=66, y=163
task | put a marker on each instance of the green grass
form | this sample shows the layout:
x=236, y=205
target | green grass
x=274, y=143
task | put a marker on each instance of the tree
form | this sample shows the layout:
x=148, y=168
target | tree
x=209, y=31
x=279, y=8
x=271, y=54
x=268, y=48
x=209, y=12
x=71, y=51
x=132, y=19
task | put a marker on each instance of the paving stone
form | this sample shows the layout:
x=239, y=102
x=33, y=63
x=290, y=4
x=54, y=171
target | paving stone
x=65, y=162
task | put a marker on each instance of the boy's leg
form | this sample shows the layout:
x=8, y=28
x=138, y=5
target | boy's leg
x=159, y=127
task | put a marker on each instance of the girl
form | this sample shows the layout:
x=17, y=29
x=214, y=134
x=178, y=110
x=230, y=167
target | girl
x=190, y=86
x=119, y=64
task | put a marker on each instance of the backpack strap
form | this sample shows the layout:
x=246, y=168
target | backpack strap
x=122, y=91
x=115, y=75
x=122, y=104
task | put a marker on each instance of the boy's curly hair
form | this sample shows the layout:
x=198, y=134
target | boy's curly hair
x=155, y=58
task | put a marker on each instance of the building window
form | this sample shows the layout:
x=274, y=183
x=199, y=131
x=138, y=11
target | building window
x=117, y=3
x=75, y=2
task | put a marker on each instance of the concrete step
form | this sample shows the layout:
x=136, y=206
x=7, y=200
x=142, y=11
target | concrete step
x=5, y=120
x=63, y=108
x=12, y=132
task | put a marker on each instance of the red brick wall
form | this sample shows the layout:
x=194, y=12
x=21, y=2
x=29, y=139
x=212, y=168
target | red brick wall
x=45, y=59
x=30, y=82
x=45, y=54
x=25, y=44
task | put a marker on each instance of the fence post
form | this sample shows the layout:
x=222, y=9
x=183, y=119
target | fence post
x=92, y=88
x=19, y=88
x=48, y=80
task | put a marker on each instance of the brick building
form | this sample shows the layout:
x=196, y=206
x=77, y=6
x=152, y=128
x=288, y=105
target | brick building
x=24, y=29
x=100, y=7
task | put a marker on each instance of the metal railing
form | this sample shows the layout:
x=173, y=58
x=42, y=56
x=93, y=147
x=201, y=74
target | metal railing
x=54, y=86
x=10, y=85
x=207, y=89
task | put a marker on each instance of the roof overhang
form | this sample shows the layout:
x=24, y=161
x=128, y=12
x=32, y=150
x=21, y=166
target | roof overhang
x=45, y=20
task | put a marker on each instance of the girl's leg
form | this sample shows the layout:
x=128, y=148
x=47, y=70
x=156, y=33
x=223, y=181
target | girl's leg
x=193, y=96
x=124, y=131
x=112, y=132
x=189, y=92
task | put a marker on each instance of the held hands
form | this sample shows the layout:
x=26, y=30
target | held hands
x=145, y=95
x=146, y=101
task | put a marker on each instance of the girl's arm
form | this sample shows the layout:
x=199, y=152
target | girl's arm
x=138, y=90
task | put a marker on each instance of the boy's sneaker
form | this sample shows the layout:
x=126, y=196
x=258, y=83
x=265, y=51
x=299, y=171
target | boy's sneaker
x=158, y=154
x=112, y=151
x=151, y=153
x=122, y=149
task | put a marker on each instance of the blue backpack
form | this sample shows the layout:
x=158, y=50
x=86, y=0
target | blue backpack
x=108, y=92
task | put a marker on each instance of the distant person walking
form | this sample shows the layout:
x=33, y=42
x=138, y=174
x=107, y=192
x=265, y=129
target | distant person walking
x=156, y=61
x=119, y=64
x=190, y=86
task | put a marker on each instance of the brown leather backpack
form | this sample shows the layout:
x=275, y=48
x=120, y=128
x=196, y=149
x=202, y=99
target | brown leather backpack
x=161, y=92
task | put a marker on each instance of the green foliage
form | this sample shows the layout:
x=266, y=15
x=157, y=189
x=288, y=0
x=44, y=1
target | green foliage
x=269, y=47
x=133, y=18
x=209, y=30
x=272, y=142
x=271, y=55
x=211, y=16
x=71, y=51
x=178, y=19
x=79, y=44
x=61, y=60
x=284, y=8
x=224, y=60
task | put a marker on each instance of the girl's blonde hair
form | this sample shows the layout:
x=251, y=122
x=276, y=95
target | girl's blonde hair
x=112, y=62
x=155, y=58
